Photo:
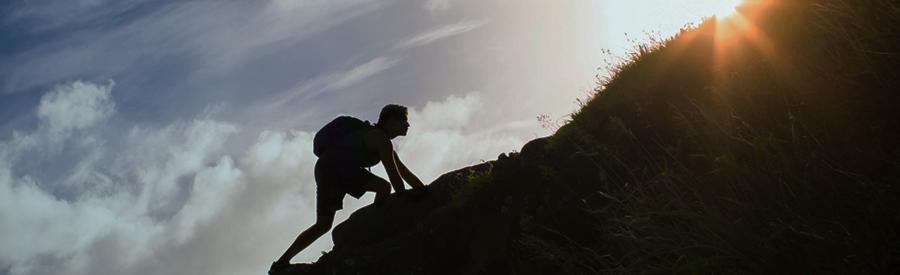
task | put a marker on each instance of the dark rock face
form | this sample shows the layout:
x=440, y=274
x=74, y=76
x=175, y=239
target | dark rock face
x=464, y=224
x=502, y=216
x=405, y=235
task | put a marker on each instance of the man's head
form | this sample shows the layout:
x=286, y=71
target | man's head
x=393, y=120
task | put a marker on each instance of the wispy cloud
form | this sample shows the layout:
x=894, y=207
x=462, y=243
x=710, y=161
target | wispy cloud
x=362, y=72
x=434, y=6
x=51, y=15
x=439, y=33
x=310, y=88
x=208, y=36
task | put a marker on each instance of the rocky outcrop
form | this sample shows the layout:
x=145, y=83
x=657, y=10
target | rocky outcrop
x=465, y=223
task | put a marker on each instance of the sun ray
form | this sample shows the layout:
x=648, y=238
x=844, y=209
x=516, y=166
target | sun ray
x=738, y=34
x=726, y=8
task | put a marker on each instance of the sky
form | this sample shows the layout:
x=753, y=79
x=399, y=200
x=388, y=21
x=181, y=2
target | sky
x=174, y=137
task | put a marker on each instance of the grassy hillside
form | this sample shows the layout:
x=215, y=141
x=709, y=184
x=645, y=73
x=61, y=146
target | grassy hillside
x=766, y=143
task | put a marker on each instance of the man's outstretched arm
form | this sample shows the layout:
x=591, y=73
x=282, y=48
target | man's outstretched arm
x=386, y=153
x=407, y=175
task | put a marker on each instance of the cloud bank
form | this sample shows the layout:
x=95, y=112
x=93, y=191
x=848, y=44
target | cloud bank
x=169, y=199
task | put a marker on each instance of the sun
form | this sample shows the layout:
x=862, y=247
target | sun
x=722, y=9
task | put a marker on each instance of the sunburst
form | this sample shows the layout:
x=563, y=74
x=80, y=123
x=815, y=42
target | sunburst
x=725, y=8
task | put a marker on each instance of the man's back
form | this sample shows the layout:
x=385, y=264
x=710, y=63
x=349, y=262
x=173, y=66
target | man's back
x=342, y=139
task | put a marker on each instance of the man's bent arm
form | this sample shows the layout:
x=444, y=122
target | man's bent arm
x=407, y=175
x=386, y=152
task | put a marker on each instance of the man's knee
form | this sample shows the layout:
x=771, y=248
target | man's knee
x=322, y=228
x=384, y=187
x=323, y=224
x=379, y=185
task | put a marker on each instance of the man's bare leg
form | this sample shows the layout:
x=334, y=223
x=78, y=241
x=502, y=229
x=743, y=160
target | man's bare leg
x=381, y=188
x=311, y=234
x=323, y=223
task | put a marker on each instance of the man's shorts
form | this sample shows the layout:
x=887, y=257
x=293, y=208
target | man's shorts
x=336, y=178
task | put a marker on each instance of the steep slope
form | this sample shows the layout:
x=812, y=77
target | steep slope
x=761, y=144
x=465, y=224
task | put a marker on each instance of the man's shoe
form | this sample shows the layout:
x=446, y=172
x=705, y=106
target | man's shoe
x=278, y=267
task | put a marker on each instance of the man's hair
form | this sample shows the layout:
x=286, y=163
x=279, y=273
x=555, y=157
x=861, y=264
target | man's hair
x=391, y=111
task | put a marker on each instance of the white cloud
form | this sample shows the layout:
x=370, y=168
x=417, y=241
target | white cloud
x=270, y=205
x=151, y=211
x=214, y=188
x=439, y=33
x=451, y=114
x=174, y=202
x=443, y=136
x=77, y=105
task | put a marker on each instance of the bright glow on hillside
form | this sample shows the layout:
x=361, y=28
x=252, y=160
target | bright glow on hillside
x=737, y=32
x=662, y=18
x=723, y=8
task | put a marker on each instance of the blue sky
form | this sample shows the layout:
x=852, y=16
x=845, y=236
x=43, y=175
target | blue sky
x=173, y=137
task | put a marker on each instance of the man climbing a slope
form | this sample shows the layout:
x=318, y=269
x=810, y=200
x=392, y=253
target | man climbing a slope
x=345, y=147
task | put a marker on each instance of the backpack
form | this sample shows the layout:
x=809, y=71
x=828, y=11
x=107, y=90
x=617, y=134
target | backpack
x=341, y=136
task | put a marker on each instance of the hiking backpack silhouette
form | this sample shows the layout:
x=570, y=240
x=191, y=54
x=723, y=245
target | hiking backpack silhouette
x=341, y=139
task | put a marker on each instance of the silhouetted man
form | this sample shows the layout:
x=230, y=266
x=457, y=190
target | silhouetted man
x=345, y=146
